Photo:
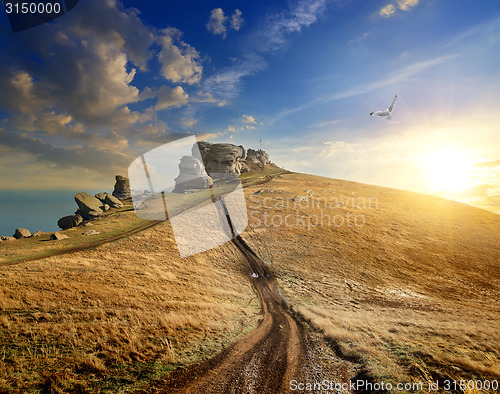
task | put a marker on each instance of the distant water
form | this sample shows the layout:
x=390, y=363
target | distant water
x=35, y=209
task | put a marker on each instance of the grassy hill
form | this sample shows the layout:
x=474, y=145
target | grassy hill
x=406, y=285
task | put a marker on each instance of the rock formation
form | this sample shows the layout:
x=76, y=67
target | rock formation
x=89, y=207
x=192, y=175
x=69, y=221
x=229, y=158
x=122, y=188
x=21, y=233
x=258, y=157
x=109, y=199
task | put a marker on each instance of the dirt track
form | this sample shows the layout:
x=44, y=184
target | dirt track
x=264, y=361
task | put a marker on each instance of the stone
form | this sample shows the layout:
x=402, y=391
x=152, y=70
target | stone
x=8, y=239
x=109, y=199
x=67, y=222
x=192, y=175
x=105, y=207
x=38, y=234
x=122, y=188
x=58, y=236
x=89, y=206
x=21, y=233
x=92, y=232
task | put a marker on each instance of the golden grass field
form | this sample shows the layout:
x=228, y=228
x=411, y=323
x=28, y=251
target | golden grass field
x=411, y=293
x=118, y=316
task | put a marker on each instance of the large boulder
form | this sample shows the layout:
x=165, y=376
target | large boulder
x=58, y=236
x=21, y=233
x=192, y=175
x=109, y=199
x=69, y=221
x=122, y=188
x=89, y=206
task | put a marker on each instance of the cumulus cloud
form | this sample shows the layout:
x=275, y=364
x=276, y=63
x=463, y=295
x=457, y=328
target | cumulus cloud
x=180, y=61
x=217, y=22
x=405, y=5
x=387, y=11
x=236, y=20
x=248, y=119
x=168, y=98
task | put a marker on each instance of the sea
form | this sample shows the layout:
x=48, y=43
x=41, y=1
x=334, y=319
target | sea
x=35, y=210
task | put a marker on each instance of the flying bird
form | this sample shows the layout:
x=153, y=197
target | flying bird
x=387, y=112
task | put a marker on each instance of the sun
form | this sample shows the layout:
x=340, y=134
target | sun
x=447, y=170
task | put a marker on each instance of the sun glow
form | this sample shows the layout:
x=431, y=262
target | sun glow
x=447, y=170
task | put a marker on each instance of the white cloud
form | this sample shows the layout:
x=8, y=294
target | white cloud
x=406, y=5
x=168, y=98
x=387, y=11
x=236, y=20
x=248, y=119
x=188, y=122
x=179, y=62
x=273, y=35
x=216, y=22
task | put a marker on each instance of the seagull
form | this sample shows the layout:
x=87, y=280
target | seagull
x=387, y=112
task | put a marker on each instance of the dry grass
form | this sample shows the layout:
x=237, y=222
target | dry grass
x=411, y=295
x=119, y=316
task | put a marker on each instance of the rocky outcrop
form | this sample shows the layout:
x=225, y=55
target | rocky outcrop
x=192, y=176
x=69, y=221
x=89, y=207
x=21, y=233
x=229, y=158
x=122, y=188
x=258, y=157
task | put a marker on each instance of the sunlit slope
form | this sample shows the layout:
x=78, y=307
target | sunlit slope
x=119, y=316
x=407, y=283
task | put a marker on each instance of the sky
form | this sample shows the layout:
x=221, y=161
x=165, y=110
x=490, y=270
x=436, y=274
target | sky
x=83, y=95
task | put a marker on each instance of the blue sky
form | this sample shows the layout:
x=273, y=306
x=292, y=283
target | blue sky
x=81, y=96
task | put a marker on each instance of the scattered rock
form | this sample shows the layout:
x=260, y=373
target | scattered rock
x=8, y=238
x=69, y=221
x=105, y=207
x=92, y=232
x=22, y=233
x=37, y=234
x=192, y=175
x=86, y=224
x=89, y=206
x=58, y=236
x=122, y=188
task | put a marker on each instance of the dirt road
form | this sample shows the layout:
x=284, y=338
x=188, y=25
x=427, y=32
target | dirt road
x=264, y=361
